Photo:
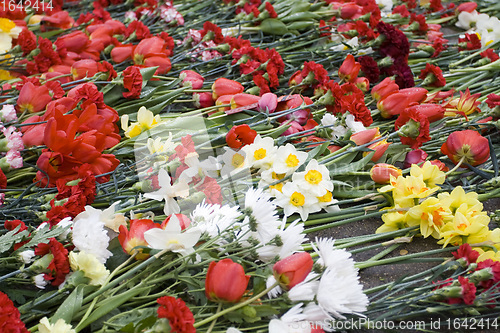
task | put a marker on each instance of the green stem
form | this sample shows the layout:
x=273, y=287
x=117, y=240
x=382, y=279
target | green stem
x=456, y=166
x=235, y=307
x=211, y=327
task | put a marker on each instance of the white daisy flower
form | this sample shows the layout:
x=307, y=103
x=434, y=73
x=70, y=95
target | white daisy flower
x=214, y=219
x=306, y=290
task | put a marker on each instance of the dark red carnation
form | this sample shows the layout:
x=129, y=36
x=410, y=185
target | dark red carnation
x=369, y=68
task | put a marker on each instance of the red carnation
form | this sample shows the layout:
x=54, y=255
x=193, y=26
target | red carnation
x=270, y=10
x=490, y=54
x=469, y=42
x=432, y=76
x=59, y=266
x=3, y=180
x=493, y=100
x=141, y=31
x=10, y=318
x=132, y=81
x=181, y=319
x=413, y=128
x=467, y=253
x=27, y=41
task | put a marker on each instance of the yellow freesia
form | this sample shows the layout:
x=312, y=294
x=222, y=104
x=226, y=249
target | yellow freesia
x=465, y=228
x=393, y=221
x=458, y=197
x=406, y=189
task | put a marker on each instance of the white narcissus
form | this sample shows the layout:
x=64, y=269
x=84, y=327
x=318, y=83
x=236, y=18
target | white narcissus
x=168, y=192
x=172, y=238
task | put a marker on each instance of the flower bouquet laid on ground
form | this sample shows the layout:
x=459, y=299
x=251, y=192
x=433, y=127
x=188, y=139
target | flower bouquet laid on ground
x=188, y=166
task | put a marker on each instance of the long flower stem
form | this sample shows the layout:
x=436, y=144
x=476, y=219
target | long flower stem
x=235, y=307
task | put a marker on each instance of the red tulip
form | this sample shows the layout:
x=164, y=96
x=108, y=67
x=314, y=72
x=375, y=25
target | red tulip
x=363, y=137
x=33, y=134
x=163, y=63
x=466, y=7
x=224, y=100
x=293, y=269
x=414, y=94
x=295, y=79
x=362, y=83
x=33, y=98
x=84, y=68
x=243, y=99
x=381, y=173
x=76, y=41
x=350, y=11
x=226, y=281
x=380, y=147
x=349, y=69
x=433, y=112
x=384, y=88
x=129, y=239
x=191, y=79
x=149, y=47
x=60, y=20
x=203, y=100
x=392, y=105
x=469, y=145
x=239, y=136
x=122, y=53
x=223, y=86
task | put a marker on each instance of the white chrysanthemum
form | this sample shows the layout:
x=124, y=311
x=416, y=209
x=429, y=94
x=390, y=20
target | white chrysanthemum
x=169, y=192
x=59, y=327
x=90, y=265
x=339, y=294
x=306, y=290
x=291, y=239
x=214, y=219
x=354, y=126
x=261, y=153
x=89, y=234
x=295, y=199
x=288, y=159
x=315, y=179
x=276, y=291
x=293, y=321
x=336, y=259
x=261, y=217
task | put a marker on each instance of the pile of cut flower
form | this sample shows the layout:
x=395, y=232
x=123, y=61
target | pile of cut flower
x=162, y=163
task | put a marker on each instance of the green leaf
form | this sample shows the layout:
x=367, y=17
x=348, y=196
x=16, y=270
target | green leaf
x=110, y=304
x=317, y=151
x=351, y=167
x=71, y=305
x=147, y=73
x=11, y=238
x=43, y=235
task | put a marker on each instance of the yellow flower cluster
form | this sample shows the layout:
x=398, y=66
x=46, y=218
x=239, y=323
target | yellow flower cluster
x=452, y=218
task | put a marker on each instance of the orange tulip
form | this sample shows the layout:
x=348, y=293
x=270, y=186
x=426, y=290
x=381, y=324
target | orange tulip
x=381, y=173
x=349, y=69
x=384, y=88
x=393, y=105
x=363, y=137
